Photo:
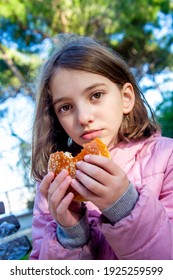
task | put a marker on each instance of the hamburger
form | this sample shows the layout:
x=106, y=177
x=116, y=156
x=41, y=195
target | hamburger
x=64, y=160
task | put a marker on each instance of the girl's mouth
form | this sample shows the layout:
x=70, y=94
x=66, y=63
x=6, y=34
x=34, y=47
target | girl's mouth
x=91, y=134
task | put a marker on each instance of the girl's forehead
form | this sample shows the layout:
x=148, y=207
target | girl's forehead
x=70, y=74
x=64, y=79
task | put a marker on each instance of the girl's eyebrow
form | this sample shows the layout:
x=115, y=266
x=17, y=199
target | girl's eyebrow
x=93, y=86
x=62, y=99
x=58, y=100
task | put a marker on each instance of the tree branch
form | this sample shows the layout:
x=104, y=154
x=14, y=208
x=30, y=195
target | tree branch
x=12, y=66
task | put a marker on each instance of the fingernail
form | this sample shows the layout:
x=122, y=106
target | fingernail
x=68, y=178
x=86, y=157
x=64, y=172
x=51, y=174
x=78, y=172
x=78, y=163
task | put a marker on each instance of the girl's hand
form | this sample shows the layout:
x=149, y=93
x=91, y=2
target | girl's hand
x=100, y=180
x=65, y=211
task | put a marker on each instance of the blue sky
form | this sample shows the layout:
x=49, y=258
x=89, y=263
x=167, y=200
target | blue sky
x=19, y=119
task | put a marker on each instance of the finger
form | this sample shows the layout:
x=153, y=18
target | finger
x=93, y=171
x=87, y=186
x=45, y=183
x=64, y=205
x=58, y=180
x=103, y=162
x=54, y=198
x=82, y=190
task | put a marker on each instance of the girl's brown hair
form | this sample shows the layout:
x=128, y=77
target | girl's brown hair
x=83, y=53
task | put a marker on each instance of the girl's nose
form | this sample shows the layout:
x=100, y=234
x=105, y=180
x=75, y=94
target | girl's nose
x=85, y=115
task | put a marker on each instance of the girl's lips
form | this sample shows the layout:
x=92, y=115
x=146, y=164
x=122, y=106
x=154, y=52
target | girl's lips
x=91, y=134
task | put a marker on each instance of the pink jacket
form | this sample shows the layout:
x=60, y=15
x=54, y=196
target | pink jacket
x=146, y=233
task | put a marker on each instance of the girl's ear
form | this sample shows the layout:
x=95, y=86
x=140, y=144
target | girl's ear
x=128, y=97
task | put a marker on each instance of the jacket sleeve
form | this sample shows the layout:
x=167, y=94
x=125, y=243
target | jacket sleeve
x=44, y=237
x=147, y=232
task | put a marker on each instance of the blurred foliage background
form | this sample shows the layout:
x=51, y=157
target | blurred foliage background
x=140, y=30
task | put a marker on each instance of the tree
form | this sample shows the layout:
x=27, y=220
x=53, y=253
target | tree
x=165, y=114
x=128, y=26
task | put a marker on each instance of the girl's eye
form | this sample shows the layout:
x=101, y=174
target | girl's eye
x=97, y=95
x=64, y=108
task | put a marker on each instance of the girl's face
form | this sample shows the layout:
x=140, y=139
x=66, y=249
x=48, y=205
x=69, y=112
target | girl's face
x=89, y=105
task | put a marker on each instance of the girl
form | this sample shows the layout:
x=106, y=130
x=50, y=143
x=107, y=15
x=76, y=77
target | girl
x=87, y=91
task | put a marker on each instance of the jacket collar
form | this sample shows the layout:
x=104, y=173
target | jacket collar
x=125, y=153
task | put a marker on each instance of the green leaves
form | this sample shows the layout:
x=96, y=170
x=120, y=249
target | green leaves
x=141, y=31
